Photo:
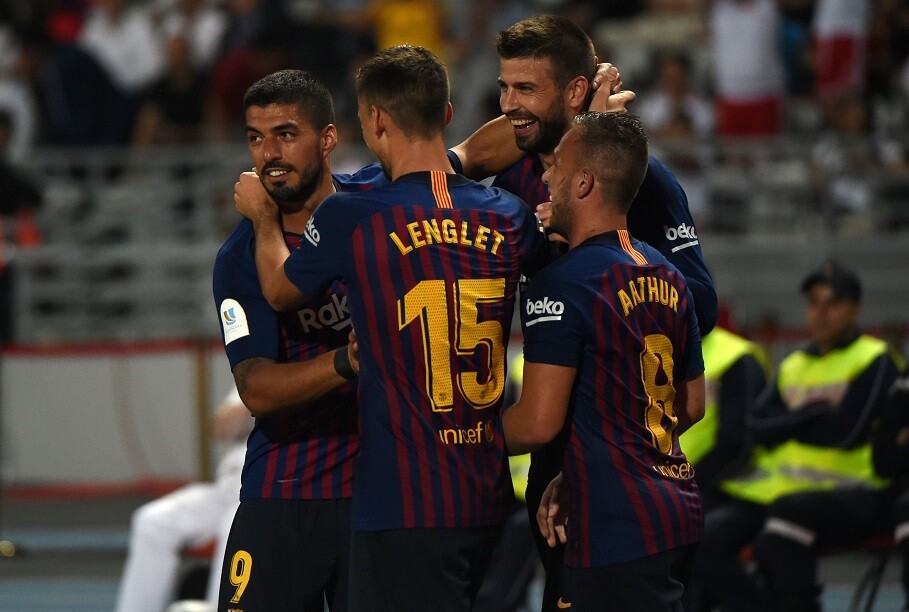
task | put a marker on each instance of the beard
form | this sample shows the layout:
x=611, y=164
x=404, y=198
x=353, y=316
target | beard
x=562, y=215
x=551, y=129
x=291, y=198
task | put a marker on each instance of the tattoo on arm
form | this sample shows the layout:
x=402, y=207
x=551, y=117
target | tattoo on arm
x=242, y=370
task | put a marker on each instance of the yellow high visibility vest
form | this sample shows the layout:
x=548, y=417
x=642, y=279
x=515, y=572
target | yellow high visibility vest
x=794, y=467
x=519, y=464
x=721, y=349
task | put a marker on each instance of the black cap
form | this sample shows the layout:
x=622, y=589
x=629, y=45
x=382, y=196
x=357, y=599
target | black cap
x=844, y=282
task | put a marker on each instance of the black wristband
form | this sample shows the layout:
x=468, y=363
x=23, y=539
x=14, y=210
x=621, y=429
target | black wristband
x=342, y=364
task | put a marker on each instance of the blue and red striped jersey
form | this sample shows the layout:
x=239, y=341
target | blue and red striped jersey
x=659, y=215
x=616, y=310
x=299, y=453
x=431, y=263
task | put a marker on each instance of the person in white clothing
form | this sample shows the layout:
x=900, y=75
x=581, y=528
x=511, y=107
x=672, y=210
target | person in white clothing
x=839, y=29
x=191, y=516
x=675, y=98
x=748, y=69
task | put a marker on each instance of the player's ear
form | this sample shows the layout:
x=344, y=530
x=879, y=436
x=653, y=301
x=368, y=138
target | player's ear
x=449, y=113
x=576, y=93
x=378, y=120
x=583, y=183
x=329, y=139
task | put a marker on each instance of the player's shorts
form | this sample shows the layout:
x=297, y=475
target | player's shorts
x=402, y=570
x=287, y=554
x=654, y=583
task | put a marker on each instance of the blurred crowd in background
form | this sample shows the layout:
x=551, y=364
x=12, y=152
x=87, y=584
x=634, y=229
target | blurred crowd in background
x=145, y=72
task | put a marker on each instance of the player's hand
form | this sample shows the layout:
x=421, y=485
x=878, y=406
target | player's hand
x=607, y=75
x=552, y=515
x=251, y=199
x=608, y=93
x=353, y=351
x=544, y=213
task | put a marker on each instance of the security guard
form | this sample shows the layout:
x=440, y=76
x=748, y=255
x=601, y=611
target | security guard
x=812, y=483
x=718, y=446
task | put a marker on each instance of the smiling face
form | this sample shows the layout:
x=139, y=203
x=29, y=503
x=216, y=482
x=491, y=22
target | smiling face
x=287, y=152
x=533, y=103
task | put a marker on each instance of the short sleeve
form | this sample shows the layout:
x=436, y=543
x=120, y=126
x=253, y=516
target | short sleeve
x=552, y=322
x=249, y=326
x=324, y=249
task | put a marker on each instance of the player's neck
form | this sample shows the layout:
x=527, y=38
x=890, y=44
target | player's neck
x=418, y=156
x=546, y=159
x=295, y=222
x=585, y=228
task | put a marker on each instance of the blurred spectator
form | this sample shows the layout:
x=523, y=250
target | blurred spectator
x=587, y=14
x=173, y=110
x=797, y=47
x=397, y=22
x=677, y=117
x=847, y=158
x=474, y=81
x=92, y=89
x=21, y=198
x=122, y=39
x=234, y=73
x=17, y=100
x=840, y=34
x=194, y=515
x=674, y=97
x=245, y=20
x=748, y=71
x=202, y=25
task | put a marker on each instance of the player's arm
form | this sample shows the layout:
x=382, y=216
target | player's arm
x=539, y=414
x=492, y=148
x=266, y=386
x=690, y=403
x=271, y=251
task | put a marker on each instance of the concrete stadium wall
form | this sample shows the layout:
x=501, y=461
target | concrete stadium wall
x=83, y=414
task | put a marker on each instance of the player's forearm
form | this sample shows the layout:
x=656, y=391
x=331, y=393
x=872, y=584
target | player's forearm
x=489, y=151
x=527, y=429
x=271, y=253
x=267, y=387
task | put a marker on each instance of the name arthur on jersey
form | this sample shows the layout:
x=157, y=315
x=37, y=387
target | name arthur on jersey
x=648, y=289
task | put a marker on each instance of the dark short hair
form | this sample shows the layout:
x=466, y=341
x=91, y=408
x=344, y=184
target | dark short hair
x=558, y=39
x=615, y=146
x=410, y=84
x=293, y=87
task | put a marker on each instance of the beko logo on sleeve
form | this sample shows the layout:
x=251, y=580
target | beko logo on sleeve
x=233, y=320
x=549, y=310
x=311, y=233
x=682, y=232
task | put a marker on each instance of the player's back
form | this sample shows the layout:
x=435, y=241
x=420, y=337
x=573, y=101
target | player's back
x=631, y=485
x=432, y=277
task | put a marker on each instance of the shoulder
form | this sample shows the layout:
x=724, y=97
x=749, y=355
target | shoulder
x=659, y=176
x=368, y=177
x=239, y=244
